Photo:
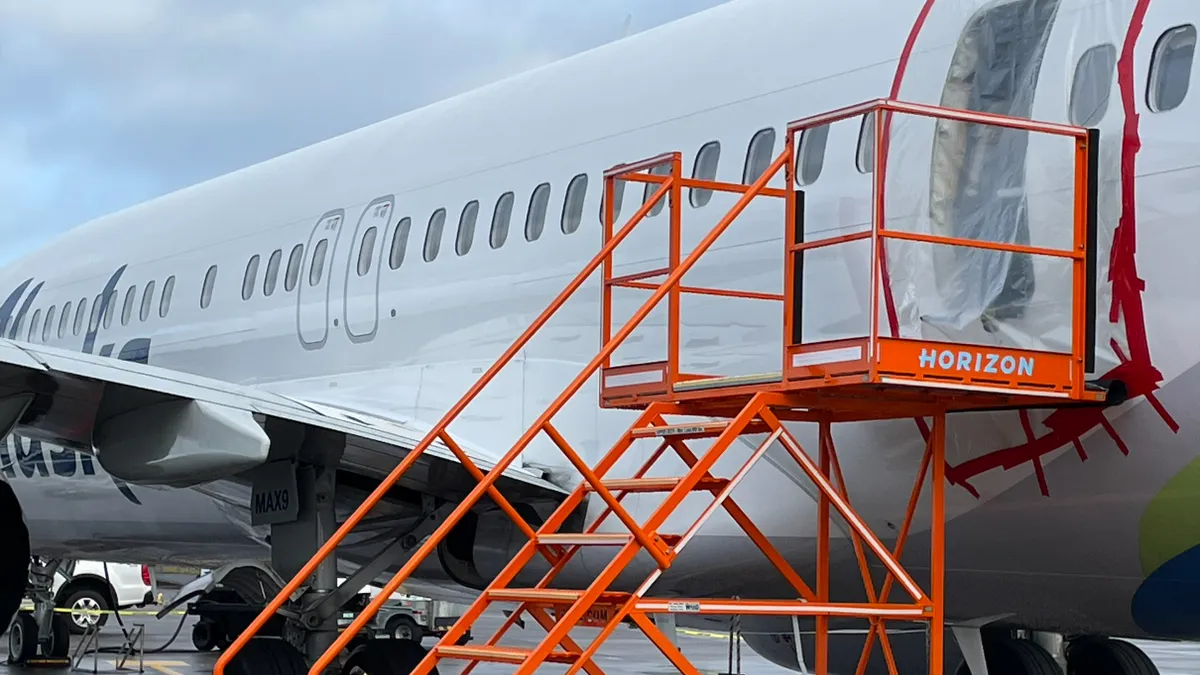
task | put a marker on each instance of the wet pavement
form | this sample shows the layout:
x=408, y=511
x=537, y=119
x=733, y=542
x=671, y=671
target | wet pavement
x=626, y=651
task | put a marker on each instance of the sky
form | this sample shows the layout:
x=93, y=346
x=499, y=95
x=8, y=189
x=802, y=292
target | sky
x=107, y=104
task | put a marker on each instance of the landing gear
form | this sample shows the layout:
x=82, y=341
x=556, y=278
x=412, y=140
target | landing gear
x=23, y=639
x=1011, y=656
x=1106, y=656
x=385, y=657
x=308, y=626
x=41, y=634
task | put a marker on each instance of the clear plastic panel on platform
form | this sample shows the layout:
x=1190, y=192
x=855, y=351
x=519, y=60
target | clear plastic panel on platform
x=982, y=183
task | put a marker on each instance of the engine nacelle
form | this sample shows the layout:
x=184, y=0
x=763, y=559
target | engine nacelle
x=483, y=543
x=14, y=555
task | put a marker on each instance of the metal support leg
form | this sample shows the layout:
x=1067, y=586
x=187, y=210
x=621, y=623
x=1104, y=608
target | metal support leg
x=294, y=543
x=41, y=585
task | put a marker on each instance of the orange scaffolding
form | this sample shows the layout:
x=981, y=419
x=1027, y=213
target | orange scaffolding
x=865, y=378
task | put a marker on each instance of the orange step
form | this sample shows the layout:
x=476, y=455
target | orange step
x=697, y=430
x=548, y=596
x=500, y=654
x=607, y=539
x=657, y=484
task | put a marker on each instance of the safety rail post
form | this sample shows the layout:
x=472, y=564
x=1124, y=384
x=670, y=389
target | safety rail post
x=638, y=172
x=410, y=459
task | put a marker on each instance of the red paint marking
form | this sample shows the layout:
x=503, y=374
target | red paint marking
x=881, y=161
x=1136, y=370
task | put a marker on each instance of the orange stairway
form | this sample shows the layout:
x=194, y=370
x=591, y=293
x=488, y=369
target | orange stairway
x=825, y=383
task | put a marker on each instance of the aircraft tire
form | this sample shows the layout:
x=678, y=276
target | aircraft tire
x=385, y=657
x=267, y=657
x=1009, y=656
x=204, y=636
x=1106, y=656
x=22, y=639
x=60, y=636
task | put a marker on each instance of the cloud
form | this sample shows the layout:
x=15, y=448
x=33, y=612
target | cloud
x=111, y=103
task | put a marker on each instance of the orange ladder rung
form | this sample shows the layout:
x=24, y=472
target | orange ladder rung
x=494, y=654
x=698, y=430
x=659, y=484
x=549, y=596
x=605, y=539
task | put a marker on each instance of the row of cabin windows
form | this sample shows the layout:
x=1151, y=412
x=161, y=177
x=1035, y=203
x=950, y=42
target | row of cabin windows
x=74, y=318
x=1170, y=75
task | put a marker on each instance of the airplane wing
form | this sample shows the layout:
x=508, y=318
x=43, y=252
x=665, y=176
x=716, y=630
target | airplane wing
x=154, y=426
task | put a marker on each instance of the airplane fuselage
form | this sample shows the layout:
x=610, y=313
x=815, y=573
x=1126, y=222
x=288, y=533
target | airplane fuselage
x=1037, y=534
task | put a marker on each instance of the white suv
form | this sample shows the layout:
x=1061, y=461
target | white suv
x=124, y=586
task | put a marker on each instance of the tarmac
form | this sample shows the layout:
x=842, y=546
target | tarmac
x=626, y=651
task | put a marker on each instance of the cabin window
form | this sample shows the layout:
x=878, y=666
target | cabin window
x=148, y=301
x=295, y=260
x=433, y=235
x=271, y=278
x=1092, y=85
x=535, y=218
x=48, y=327
x=206, y=291
x=164, y=305
x=33, y=325
x=1171, y=68
x=759, y=155
x=127, y=308
x=251, y=278
x=318, y=262
x=501, y=218
x=865, y=157
x=110, y=309
x=65, y=321
x=81, y=312
x=618, y=199
x=572, y=215
x=366, y=251
x=811, y=157
x=466, y=228
x=707, y=160
x=399, y=242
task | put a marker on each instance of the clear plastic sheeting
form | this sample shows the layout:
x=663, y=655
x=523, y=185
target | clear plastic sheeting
x=978, y=190
x=1043, y=60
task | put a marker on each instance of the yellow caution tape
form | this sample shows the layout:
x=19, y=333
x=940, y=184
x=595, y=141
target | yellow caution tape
x=124, y=612
x=702, y=633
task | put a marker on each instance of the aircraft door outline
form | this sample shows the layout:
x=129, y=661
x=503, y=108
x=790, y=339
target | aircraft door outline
x=360, y=299
x=312, y=297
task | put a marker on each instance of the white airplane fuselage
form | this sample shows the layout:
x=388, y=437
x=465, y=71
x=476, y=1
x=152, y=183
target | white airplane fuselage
x=1054, y=543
